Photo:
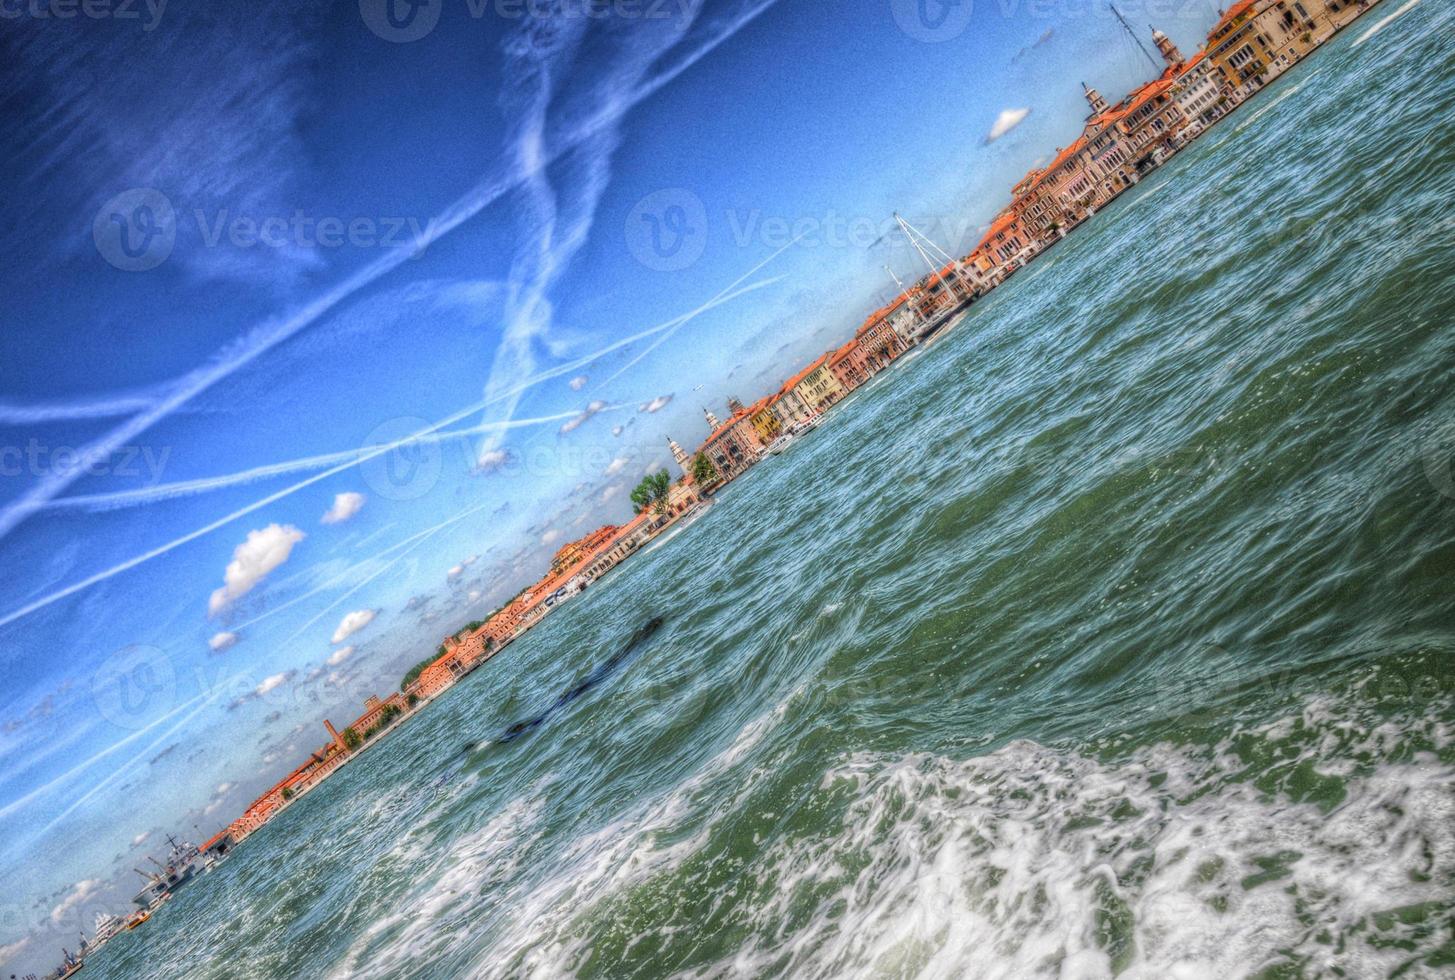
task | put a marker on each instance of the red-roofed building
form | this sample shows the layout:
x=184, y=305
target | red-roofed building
x=733, y=446
x=846, y=368
x=878, y=342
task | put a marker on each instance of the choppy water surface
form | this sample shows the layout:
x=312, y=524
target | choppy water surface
x=1111, y=636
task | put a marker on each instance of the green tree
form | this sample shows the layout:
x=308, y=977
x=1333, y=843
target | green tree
x=416, y=670
x=352, y=738
x=287, y=793
x=652, y=492
x=703, y=471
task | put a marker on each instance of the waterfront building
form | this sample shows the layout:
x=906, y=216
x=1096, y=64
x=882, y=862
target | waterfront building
x=733, y=446
x=789, y=408
x=1196, y=91
x=848, y=370
x=817, y=386
x=878, y=342
x=712, y=422
x=1150, y=122
x=766, y=422
x=682, y=497
x=572, y=553
x=629, y=537
x=1238, y=52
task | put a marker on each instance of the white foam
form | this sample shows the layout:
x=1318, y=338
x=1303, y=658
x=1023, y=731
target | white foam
x=1027, y=862
x=1386, y=21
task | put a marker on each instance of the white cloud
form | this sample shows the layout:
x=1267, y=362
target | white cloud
x=222, y=789
x=590, y=410
x=140, y=838
x=272, y=682
x=655, y=405
x=339, y=656
x=225, y=640
x=457, y=570
x=1007, y=120
x=610, y=492
x=474, y=595
x=617, y=430
x=616, y=466
x=579, y=382
x=345, y=505
x=491, y=460
x=12, y=950
x=551, y=536
x=352, y=623
x=264, y=550
x=82, y=891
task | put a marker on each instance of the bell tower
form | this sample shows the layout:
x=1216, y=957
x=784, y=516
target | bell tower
x=1170, y=53
x=1094, y=99
x=683, y=460
x=712, y=422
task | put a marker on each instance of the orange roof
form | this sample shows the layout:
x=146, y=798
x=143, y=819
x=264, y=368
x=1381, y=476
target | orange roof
x=844, y=351
x=1191, y=63
x=1149, y=91
x=1002, y=221
x=793, y=381
x=1235, y=11
x=1061, y=158
x=736, y=418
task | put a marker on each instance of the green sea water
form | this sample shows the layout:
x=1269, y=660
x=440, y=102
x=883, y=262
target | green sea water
x=1111, y=635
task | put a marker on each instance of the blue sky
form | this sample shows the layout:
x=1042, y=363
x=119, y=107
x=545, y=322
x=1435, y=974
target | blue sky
x=253, y=247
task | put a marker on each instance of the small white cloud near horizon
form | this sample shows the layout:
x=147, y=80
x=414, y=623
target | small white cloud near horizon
x=617, y=430
x=655, y=405
x=345, y=506
x=615, y=466
x=81, y=891
x=140, y=838
x=12, y=950
x=1008, y=120
x=491, y=460
x=272, y=683
x=579, y=382
x=225, y=640
x=263, y=550
x=352, y=623
x=593, y=409
x=551, y=536
x=340, y=655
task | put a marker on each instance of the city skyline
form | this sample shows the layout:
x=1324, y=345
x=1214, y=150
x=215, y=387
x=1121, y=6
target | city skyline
x=308, y=598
